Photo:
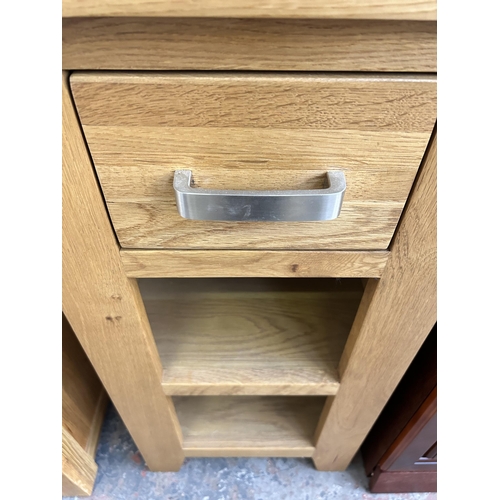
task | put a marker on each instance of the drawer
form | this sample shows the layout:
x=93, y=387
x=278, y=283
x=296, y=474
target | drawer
x=251, y=131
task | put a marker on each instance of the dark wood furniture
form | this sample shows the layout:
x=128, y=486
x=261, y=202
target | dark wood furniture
x=400, y=452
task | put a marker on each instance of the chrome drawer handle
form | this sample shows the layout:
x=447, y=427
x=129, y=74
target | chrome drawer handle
x=232, y=205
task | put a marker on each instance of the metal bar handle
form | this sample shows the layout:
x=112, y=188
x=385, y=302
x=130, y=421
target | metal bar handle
x=232, y=205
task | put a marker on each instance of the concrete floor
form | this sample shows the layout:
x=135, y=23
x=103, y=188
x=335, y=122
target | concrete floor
x=123, y=476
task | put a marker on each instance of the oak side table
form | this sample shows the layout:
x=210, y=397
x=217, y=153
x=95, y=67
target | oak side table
x=249, y=216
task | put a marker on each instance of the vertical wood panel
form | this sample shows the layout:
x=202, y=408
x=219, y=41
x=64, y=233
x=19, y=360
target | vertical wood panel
x=83, y=397
x=78, y=468
x=393, y=326
x=105, y=308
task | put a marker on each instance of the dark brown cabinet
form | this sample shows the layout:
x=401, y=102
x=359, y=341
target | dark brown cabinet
x=400, y=452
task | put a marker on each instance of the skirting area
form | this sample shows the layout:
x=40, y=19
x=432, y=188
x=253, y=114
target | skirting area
x=123, y=475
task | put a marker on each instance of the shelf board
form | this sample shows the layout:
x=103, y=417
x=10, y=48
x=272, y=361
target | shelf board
x=248, y=426
x=250, y=336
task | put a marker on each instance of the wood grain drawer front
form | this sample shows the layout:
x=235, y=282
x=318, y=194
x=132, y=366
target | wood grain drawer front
x=255, y=131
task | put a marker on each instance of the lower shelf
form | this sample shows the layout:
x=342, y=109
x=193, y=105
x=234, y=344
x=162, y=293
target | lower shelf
x=248, y=426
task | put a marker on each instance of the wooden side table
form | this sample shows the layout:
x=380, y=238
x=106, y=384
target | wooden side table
x=257, y=365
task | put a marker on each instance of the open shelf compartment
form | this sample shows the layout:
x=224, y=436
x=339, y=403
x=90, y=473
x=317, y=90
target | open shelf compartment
x=248, y=426
x=247, y=336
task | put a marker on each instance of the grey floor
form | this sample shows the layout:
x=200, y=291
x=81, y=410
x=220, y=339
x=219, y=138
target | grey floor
x=123, y=476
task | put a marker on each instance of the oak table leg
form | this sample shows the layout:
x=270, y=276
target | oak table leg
x=395, y=316
x=106, y=311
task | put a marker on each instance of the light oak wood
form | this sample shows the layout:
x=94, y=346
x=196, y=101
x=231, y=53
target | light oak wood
x=248, y=426
x=72, y=490
x=343, y=9
x=370, y=285
x=95, y=430
x=252, y=264
x=279, y=128
x=84, y=399
x=105, y=309
x=250, y=337
x=78, y=468
x=255, y=131
x=248, y=44
x=248, y=377
x=84, y=403
x=256, y=100
x=389, y=329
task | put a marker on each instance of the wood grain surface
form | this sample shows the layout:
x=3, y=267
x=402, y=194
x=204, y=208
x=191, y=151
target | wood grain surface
x=248, y=44
x=402, y=482
x=83, y=396
x=262, y=101
x=419, y=435
x=252, y=264
x=250, y=337
x=248, y=426
x=105, y=308
x=78, y=468
x=344, y=9
x=255, y=131
x=413, y=389
x=389, y=330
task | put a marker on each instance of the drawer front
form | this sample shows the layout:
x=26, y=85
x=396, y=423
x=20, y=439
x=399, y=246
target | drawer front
x=255, y=132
